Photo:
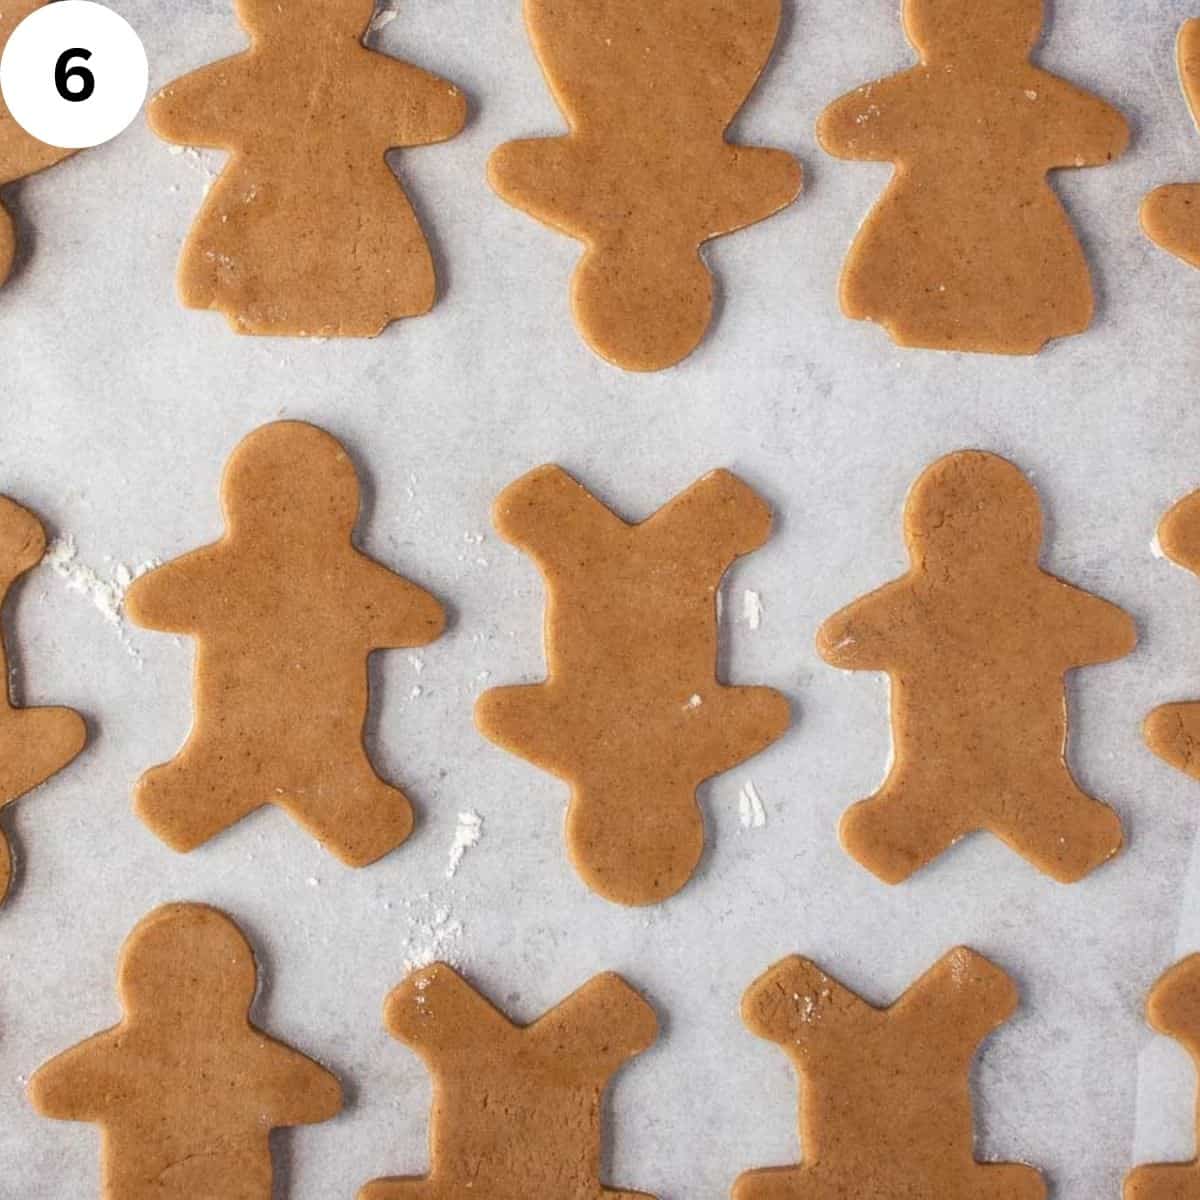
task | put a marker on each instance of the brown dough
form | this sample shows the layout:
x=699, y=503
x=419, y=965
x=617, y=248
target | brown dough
x=977, y=639
x=516, y=1110
x=631, y=714
x=885, y=1093
x=34, y=742
x=969, y=248
x=1173, y=730
x=20, y=154
x=307, y=231
x=646, y=176
x=1174, y=1010
x=185, y=1089
x=1171, y=215
x=285, y=611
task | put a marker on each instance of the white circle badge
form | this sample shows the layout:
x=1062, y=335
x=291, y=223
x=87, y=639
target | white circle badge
x=74, y=74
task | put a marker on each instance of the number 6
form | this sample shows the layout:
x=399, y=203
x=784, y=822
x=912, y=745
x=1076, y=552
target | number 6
x=63, y=74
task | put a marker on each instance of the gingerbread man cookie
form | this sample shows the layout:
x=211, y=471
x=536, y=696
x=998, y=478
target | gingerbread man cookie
x=285, y=611
x=969, y=248
x=632, y=714
x=307, y=231
x=1174, y=1010
x=516, y=1110
x=1173, y=730
x=885, y=1093
x=645, y=175
x=185, y=1090
x=1170, y=215
x=20, y=154
x=977, y=639
x=35, y=743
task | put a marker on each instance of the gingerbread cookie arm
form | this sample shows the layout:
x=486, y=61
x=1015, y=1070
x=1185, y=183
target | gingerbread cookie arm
x=735, y=520
x=206, y=107
x=292, y=1089
x=431, y=1010
x=867, y=124
x=172, y=598
x=795, y=1002
x=1082, y=129
x=399, y=612
x=1090, y=629
x=433, y=109
x=865, y=635
x=606, y=1019
x=76, y=1085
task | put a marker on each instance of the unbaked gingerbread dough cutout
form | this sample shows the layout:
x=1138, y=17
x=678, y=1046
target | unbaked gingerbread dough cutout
x=35, y=743
x=307, y=231
x=1170, y=215
x=185, y=1089
x=1172, y=731
x=885, y=1094
x=20, y=154
x=632, y=714
x=969, y=248
x=977, y=639
x=645, y=175
x=285, y=611
x=516, y=1109
x=1173, y=1010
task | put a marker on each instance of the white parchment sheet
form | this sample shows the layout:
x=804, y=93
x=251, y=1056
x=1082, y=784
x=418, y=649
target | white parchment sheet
x=120, y=407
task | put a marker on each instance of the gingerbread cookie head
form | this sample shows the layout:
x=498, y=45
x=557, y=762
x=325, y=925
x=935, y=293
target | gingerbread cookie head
x=984, y=30
x=192, y=957
x=291, y=478
x=973, y=509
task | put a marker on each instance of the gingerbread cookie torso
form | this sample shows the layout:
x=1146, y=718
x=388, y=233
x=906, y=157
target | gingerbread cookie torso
x=632, y=714
x=977, y=639
x=35, y=743
x=885, y=1093
x=1173, y=1010
x=20, y=154
x=645, y=175
x=969, y=248
x=185, y=1090
x=1170, y=215
x=1172, y=731
x=307, y=231
x=285, y=612
x=516, y=1110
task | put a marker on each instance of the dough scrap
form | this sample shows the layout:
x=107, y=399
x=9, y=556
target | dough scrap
x=1170, y=215
x=307, y=231
x=1173, y=1010
x=885, y=1094
x=969, y=248
x=977, y=639
x=20, y=154
x=1172, y=731
x=631, y=713
x=516, y=1110
x=645, y=176
x=35, y=743
x=285, y=612
x=185, y=1089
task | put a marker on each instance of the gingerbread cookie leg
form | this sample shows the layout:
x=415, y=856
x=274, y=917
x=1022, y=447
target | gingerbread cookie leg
x=632, y=714
x=885, y=1093
x=1173, y=1010
x=516, y=1110
x=35, y=743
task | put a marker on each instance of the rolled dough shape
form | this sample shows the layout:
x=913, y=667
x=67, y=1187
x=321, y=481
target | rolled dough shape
x=645, y=175
x=969, y=248
x=35, y=743
x=977, y=639
x=632, y=714
x=885, y=1097
x=185, y=1089
x=307, y=231
x=517, y=1110
x=285, y=612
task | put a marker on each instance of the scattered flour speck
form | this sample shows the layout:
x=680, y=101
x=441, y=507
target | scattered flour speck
x=752, y=609
x=467, y=834
x=750, y=807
